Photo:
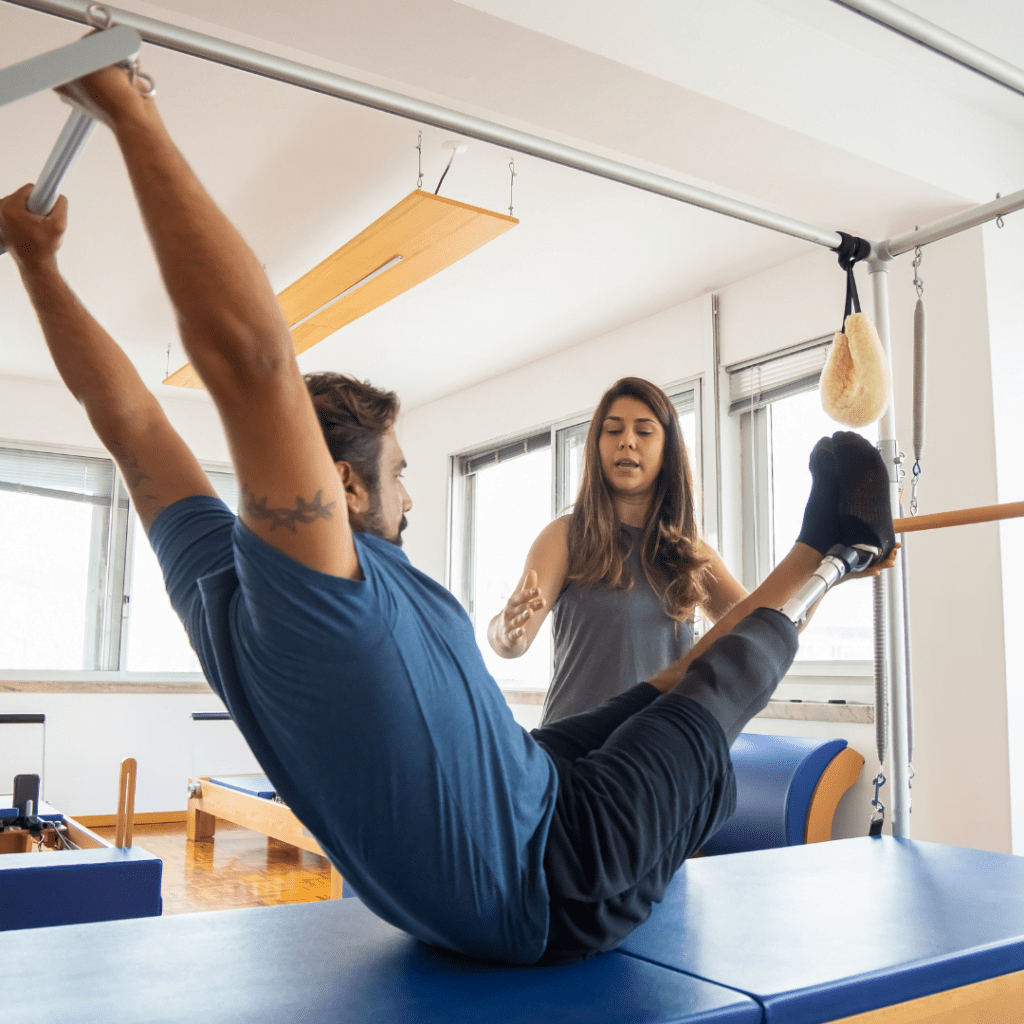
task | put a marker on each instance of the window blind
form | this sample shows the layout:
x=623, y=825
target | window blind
x=48, y=475
x=758, y=383
x=469, y=464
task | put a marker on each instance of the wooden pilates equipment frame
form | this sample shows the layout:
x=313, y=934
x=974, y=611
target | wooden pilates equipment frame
x=21, y=841
x=207, y=802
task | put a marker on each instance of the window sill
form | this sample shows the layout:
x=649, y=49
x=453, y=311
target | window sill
x=26, y=681
x=819, y=711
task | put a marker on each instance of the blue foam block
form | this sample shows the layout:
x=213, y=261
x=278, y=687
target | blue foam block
x=254, y=785
x=775, y=780
x=76, y=886
x=828, y=930
x=329, y=962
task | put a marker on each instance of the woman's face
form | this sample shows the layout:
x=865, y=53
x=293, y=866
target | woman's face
x=631, y=446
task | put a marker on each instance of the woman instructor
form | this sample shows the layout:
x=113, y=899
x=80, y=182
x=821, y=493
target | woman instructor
x=625, y=570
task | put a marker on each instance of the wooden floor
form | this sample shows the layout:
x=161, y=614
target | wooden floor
x=237, y=868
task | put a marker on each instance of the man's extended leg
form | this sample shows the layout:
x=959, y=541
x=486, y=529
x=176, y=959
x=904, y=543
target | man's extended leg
x=631, y=811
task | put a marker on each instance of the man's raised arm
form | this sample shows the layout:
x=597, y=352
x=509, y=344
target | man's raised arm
x=234, y=335
x=157, y=466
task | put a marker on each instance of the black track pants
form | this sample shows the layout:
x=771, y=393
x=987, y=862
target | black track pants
x=644, y=780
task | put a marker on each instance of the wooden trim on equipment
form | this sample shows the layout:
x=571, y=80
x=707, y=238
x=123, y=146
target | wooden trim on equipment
x=993, y=1001
x=126, y=803
x=842, y=772
x=82, y=837
x=265, y=816
x=961, y=517
x=140, y=818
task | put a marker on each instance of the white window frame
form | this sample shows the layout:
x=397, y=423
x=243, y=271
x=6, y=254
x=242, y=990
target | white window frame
x=111, y=625
x=840, y=679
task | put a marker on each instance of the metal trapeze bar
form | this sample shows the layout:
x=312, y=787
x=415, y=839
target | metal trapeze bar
x=971, y=218
x=58, y=67
x=938, y=39
x=258, y=62
x=63, y=65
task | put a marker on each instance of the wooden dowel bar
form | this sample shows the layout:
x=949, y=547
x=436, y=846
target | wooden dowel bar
x=960, y=517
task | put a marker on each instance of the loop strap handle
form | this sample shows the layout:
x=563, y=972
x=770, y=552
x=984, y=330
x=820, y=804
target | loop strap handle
x=850, y=252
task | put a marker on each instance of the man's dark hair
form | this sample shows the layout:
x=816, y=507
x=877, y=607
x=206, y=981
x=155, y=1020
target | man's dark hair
x=354, y=416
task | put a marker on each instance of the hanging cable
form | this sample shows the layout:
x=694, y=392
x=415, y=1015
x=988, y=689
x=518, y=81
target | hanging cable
x=511, y=182
x=444, y=172
x=419, y=160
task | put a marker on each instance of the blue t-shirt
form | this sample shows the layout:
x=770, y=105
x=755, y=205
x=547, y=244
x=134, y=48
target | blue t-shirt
x=368, y=704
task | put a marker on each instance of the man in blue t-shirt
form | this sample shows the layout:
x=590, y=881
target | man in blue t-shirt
x=355, y=678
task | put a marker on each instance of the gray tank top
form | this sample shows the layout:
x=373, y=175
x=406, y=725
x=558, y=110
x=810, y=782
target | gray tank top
x=609, y=640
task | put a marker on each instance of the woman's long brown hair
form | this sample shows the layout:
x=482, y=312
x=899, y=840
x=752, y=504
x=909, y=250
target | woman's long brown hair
x=670, y=557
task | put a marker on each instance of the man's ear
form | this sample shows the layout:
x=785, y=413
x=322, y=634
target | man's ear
x=357, y=495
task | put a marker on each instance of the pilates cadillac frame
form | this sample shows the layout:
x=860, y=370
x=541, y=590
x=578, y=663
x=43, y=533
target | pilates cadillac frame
x=885, y=13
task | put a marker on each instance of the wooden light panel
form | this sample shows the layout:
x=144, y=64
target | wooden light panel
x=429, y=232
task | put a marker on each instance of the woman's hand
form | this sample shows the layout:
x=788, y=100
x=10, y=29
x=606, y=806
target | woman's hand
x=507, y=632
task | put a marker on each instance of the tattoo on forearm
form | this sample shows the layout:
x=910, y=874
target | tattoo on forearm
x=148, y=506
x=304, y=511
x=133, y=472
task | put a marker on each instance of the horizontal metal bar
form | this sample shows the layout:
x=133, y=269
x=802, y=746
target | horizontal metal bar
x=938, y=39
x=22, y=719
x=893, y=247
x=258, y=62
x=65, y=64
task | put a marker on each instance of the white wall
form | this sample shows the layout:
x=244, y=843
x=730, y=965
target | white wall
x=45, y=413
x=1004, y=266
x=664, y=348
x=962, y=785
x=88, y=734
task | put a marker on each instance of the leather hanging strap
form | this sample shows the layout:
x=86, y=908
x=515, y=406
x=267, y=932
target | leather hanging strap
x=850, y=252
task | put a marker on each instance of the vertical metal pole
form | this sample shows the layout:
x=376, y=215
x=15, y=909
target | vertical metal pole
x=899, y=774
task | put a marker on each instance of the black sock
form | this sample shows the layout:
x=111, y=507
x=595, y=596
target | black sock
x=820, y=528
x=865, y=513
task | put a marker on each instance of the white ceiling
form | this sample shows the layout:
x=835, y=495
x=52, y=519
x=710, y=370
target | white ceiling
x=796, y=105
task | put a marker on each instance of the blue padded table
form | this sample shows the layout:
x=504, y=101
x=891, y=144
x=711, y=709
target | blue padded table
x=75, y=886
x=820, y=932
x=329, y=962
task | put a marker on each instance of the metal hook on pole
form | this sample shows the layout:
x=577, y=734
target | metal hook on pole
x=419, y=160
x=511, y=182
x=999, y=220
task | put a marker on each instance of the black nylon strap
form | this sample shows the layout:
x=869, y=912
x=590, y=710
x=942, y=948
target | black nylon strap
x=850, y=252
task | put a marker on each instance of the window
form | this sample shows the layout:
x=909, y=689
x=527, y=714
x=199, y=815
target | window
x=80, y=588
x=55, y=598
x=507, y=502
x=154, y=639
x=782, y=418
x=503, y=496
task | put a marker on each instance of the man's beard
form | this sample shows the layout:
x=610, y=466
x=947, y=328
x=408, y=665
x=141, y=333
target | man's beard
x=372, y=522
